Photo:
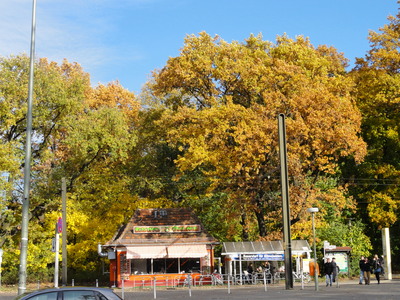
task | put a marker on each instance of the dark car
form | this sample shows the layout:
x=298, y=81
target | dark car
x=71, y=293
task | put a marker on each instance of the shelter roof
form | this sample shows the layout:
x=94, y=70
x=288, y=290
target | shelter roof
x=339, y=249
x=263, y=247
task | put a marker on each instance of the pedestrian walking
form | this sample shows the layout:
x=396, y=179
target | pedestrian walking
x=328, y=269
x=361, y=265
x=377, y=268
x=335, y=271
x=367, y=271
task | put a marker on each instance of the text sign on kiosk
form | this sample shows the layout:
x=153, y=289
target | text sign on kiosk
x=260, y=257
x=167, y=229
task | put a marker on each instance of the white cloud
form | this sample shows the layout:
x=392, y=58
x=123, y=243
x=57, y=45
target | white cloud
x=101, y=35
x=15, y=24
x=64, y=29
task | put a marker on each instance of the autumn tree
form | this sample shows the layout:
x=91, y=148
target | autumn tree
x=81, y=133
x=378, y=86
x=92, y=152
x=58, y=91
x=222, y=100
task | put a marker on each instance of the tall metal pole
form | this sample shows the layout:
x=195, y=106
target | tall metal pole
x=287, y=240
x=27, y=167
x=64, y=231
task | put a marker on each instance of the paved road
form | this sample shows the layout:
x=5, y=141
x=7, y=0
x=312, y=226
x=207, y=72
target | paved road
x=349, y=290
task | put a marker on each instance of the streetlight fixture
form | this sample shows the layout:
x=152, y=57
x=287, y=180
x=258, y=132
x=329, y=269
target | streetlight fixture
x=313, y=210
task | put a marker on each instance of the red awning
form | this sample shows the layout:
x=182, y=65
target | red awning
x=146, y=252
x=185, y=251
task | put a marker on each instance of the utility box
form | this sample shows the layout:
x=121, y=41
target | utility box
x=111, y=255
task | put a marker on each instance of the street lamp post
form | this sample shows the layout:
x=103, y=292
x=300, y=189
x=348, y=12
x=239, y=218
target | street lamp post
x=313, y=210
x=27, y=167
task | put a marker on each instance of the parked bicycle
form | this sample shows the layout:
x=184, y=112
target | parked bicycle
x=299, y=276
x=278, y=276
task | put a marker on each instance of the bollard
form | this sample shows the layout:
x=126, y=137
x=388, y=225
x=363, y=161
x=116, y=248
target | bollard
x=97, y=283
x=337, y=279
x=189, y=279
x=265, y=282
x=123, y=290
x=155, y=289
x=73, y=282
x=38, y=285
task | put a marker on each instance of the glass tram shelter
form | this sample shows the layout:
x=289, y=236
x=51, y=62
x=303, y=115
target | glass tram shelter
x=240, y=254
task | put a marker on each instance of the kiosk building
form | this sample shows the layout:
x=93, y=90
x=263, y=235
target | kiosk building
x=159, y=243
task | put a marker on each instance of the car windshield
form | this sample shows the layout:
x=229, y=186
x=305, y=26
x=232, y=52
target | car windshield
x=42, y=296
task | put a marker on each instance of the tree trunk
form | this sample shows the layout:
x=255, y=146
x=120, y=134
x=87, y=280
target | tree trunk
x=245, y=233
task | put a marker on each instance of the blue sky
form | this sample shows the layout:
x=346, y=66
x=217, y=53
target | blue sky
x=127, y=39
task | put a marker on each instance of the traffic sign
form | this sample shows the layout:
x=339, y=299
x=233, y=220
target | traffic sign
x=59, y=225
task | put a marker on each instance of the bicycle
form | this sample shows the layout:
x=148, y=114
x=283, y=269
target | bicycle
x=277, y=277
x=299, y=276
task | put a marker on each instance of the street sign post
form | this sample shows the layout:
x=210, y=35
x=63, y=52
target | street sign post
x=57, y=250
x=59, y=225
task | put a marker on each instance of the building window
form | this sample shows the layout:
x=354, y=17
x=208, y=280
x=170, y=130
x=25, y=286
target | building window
x=160, y=265
x=125, y=265
x=190, y=265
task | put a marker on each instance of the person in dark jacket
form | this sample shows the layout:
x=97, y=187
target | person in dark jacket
x=377, y=267
x=336, y=270
x=328, y=269
x=367, y=271
x=250, y=268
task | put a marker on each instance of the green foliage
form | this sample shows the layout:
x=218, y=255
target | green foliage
x=347, y=235
x=214, y=212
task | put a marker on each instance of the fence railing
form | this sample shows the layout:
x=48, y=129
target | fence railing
x=214, y=279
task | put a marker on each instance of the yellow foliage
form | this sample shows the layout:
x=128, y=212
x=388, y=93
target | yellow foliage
x=223, y=101
x=382, y=209
x=114, y=95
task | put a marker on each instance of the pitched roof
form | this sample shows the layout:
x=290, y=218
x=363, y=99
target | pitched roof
x=162, y=227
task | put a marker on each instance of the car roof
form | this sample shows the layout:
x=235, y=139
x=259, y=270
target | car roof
x=106, y=291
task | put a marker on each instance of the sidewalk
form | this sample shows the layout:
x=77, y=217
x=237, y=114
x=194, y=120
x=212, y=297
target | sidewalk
x=346, y=290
